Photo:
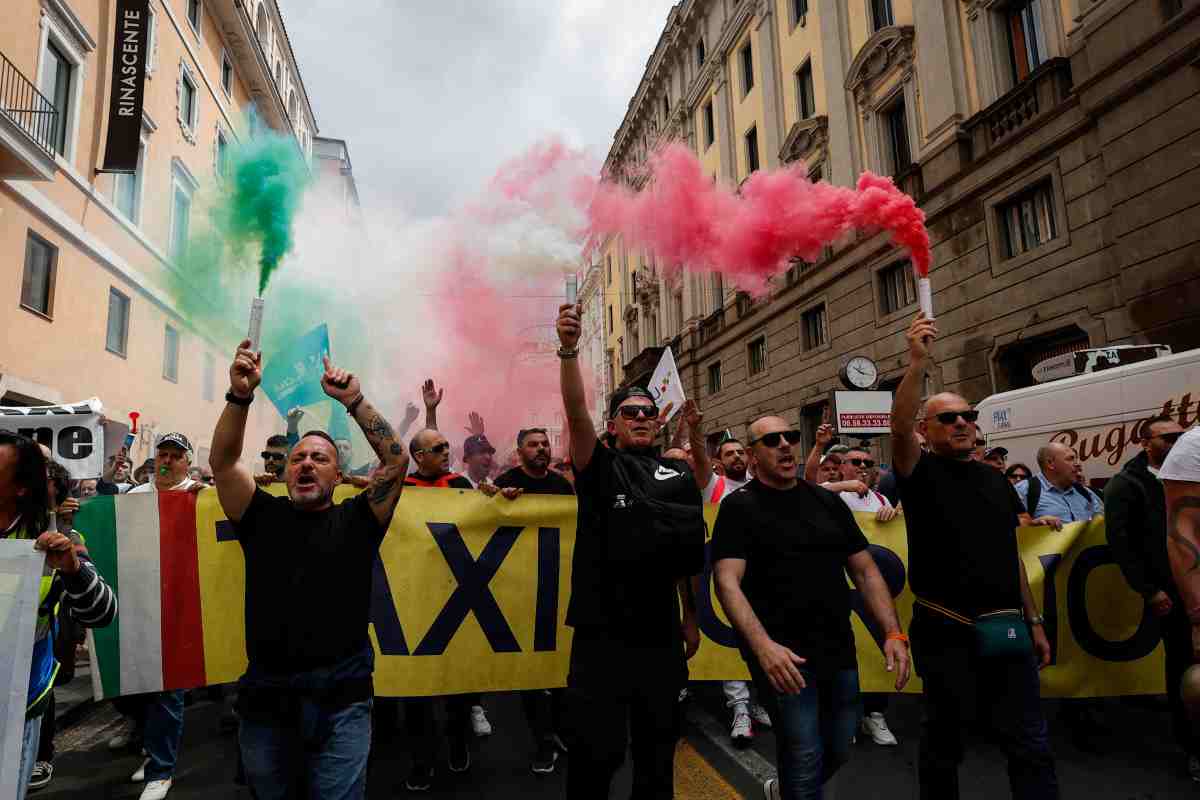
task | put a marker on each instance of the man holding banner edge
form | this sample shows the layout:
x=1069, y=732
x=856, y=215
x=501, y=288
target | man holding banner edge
x=305, y=699
x=969, y=642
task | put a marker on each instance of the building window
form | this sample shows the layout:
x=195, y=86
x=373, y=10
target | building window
x=710, y=127
x=151, y=40
x=609, y=261
x=757, y=355
x=678, y=301
x=718, y=292
x=752, y=150
x=881, y=14
x=127, y=188
x=700, y=54
x=193, y=15
x=747, y=59
x=226, y=73
x=1026, y=41
x=279, y=75
x=293, y=107
x=58, y=77
x=812, y=325
x=222, y=162
x=666, y=105
x=896, y=288
x=714, y=377
x=1027, y=221
x=612, y=373
x=181, y=214
x=117, y=337
x=208, y=383
x=188, y=102
x=171, y=354
x=262, y=27
x=805, y=100
x=799, y=11
x=895, y=122
x=611, y=327
x=37, y=281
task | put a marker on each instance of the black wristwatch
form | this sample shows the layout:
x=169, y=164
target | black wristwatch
x=230, y=397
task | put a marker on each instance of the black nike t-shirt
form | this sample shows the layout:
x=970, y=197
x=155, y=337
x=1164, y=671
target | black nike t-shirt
x=795, y=543
x=550, y=484
x=622, y=582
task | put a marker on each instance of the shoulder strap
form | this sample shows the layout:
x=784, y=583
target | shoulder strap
x=1033, y=495
x=945, y=612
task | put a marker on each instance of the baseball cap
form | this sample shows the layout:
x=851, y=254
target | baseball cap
x=837, y=450
x=621, y=395
x=477, y=444
x=175, y=440
x=996, y=451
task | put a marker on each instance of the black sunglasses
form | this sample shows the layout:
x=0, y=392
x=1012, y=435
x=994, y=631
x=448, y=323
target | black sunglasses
x=950, y=417
x=437, y=448
x=269, y=456
x=863, y=462
x=1020, y=476
x=772, y=439
x=633, y=412
x=1170, y=438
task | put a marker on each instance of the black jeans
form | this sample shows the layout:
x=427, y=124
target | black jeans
x=1001, y=697
x=1177, y=641
x=420, y=723
x=543, y=712
x=618, y=694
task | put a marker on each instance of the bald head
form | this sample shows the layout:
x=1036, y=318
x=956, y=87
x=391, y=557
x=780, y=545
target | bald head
x=775, y=463
x=1057, y=462
x=431, y=451
x=953, y=439
x=943, y=401
x=765, y=424
x=422, y=440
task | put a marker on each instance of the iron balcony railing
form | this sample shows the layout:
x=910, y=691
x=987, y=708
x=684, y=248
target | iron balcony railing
x=21, y=102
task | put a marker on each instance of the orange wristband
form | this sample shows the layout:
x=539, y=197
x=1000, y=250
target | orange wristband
x=897, y=636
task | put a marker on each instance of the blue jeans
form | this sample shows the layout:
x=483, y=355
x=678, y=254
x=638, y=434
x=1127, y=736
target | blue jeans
x=813, y=729
x=162, y=733
x=322, y=749
x=29, y=748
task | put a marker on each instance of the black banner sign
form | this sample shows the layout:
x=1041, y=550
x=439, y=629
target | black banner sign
x=128, y=86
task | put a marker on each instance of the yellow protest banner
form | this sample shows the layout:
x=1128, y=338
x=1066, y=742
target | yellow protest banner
x=470, y=595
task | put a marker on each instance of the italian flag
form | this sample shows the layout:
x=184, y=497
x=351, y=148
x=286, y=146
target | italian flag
x=145, y=546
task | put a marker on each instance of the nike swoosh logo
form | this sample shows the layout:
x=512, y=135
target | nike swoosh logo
x=664, y=474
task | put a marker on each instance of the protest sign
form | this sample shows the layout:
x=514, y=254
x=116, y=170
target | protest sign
x=292, y=376
x=665, y=384
x=72, y=432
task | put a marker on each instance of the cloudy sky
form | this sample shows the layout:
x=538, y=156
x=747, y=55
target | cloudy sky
x=433, y=95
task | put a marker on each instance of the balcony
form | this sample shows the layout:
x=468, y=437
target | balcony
x=27, y=124
x=712, y=325
x=641, y=367
x=1043, y=91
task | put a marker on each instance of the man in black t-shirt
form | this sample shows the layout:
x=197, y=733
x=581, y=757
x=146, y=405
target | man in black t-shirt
x=963, y=562
x=640, y=531
x=305, y=699
x=543, y=709
x=781, y=551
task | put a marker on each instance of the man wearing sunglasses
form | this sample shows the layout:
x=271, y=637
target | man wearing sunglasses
x=961, y=519
x=1135, y=514
x=640, y=539
x=781, y=551
x=274, y=458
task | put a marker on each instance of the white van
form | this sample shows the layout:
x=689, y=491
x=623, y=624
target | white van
x=1099, y=414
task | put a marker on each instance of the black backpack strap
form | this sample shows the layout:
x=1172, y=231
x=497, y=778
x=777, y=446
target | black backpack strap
x=1033, y=495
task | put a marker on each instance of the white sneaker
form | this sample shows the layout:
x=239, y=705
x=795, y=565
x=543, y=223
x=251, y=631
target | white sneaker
x=760, y=716
x=875, y=726
x=771, y=789
x=479, y=721
x=119, y=742
x=741, y=732
x=140, y=775
x=156, y=790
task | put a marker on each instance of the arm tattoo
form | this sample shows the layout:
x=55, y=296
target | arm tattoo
x=1186, y=506
x=377, y=426
x=381, y=490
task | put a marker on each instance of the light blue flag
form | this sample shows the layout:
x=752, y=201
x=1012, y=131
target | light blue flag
x=20, y=577
x=292, y=377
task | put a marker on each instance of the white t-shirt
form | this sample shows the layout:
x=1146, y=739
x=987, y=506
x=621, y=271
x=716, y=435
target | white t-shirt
x=1183, y=462
x=870, y=503
x=183, y=486
x=730, y=486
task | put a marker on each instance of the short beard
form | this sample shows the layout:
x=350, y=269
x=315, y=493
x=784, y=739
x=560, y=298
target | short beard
x=317, y=502
x=735, y=476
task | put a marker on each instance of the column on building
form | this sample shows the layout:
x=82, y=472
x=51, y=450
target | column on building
x=941, y=82
x=844, y=160
x=764, y=44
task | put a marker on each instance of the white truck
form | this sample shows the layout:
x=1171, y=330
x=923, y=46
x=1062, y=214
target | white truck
x=1099, y=414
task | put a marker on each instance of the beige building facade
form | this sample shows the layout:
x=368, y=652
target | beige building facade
x=87, y=257
x=1051, y=143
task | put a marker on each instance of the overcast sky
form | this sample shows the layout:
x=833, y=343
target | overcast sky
x=433, y=95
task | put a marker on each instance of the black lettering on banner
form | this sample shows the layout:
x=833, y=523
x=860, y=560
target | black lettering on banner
x=74, y=443
x=710, y=623
x=545, y=621
x=472, y=593
x=1050, y=602
x=892, y=569
x=44, y=436
x=383, y=614
x=1143, y=641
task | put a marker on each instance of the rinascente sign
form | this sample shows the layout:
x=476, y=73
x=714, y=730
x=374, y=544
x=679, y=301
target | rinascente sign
x=128, y=86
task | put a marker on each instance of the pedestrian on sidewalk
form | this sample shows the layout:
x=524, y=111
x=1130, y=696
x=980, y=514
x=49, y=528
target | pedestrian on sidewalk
x=977, y=635
x=640, y=540
x=70, y=579
x=781, y=551
x=305, y=698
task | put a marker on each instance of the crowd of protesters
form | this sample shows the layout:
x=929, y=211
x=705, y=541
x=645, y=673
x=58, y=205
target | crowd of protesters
x=785, y=540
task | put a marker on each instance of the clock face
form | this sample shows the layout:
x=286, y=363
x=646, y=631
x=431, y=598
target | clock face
x=862, y=372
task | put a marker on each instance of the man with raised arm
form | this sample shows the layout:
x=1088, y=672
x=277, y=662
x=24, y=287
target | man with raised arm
x=305, y=699
x=640, y=537
x=965, y=568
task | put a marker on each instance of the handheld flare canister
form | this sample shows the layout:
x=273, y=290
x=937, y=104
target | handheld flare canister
x=254, y=332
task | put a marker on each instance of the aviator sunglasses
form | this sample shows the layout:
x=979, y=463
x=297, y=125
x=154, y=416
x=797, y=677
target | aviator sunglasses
x=773, y=439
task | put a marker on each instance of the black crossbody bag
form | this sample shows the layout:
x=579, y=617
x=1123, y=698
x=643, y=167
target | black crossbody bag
x=678, y=530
